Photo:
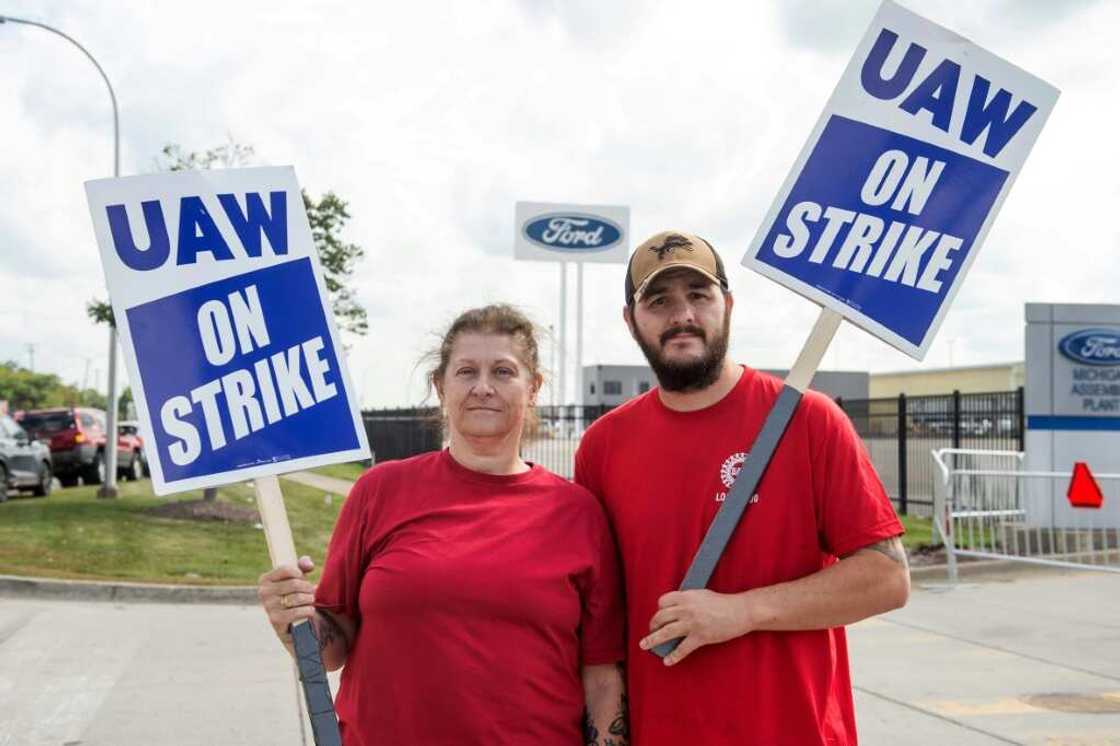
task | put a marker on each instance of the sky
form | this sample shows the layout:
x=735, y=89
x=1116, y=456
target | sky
x=433, y=119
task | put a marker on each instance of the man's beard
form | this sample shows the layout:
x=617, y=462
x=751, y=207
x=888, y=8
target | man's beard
x=693, y=375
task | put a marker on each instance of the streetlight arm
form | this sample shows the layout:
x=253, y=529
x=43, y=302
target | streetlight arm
x=109, y=489
x=112, y=94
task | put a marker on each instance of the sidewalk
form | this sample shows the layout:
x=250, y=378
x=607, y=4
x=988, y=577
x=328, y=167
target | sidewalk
x=320, y=481
x=1026, y=656
x=1020, y=657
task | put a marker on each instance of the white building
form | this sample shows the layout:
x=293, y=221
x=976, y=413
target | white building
x=611, y=385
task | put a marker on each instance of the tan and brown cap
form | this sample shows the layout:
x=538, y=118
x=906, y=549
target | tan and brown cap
x=671, y=250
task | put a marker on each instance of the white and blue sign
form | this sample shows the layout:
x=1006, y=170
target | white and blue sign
x=547, y=231
x=229, y=340
x=890, y=199
x=1092, y=347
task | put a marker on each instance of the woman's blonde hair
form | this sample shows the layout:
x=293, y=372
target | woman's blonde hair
x=497, y=318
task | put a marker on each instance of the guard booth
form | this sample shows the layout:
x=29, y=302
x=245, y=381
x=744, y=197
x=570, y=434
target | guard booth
x=1058, y=501
x=1072, y=402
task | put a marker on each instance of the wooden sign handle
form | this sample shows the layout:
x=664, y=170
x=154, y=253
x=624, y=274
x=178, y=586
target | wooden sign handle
x=274, y=518
x=312, y=675
x=760, y=452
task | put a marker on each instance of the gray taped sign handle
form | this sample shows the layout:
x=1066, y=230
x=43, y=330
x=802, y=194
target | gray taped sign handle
x=746, y=484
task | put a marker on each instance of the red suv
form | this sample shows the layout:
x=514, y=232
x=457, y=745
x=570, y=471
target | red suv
x=77, y=439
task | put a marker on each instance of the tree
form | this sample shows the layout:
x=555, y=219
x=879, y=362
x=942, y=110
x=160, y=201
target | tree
x=327, y=217
x=25, y=389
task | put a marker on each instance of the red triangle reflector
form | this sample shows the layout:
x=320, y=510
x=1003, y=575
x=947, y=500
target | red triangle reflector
x=1084, y=492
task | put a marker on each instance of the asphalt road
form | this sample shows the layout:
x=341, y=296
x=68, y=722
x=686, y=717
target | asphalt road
x=993, y=661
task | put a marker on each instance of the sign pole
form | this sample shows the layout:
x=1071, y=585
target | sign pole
x=563, y=332
x=579, y=333
x=760, y=453
x=282, y=551
x=564, y=233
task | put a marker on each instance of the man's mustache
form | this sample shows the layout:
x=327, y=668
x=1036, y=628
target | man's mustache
x=670, y=333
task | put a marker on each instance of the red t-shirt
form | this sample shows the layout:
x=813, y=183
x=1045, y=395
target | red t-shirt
x=662, y=475
x=478, y=598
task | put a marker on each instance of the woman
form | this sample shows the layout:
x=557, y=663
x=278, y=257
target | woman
x=472, y=597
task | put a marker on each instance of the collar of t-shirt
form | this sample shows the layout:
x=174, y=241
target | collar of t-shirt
x=462, y=472
x=733, y=398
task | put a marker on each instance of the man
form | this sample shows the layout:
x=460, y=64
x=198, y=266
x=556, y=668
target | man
x=763, y=658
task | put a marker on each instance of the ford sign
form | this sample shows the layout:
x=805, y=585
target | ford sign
x=1092, y=346
x=572, y=232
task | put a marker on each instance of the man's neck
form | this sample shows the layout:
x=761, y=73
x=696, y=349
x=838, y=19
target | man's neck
x=690, y=401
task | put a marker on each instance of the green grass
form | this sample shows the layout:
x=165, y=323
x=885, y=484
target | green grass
x=918, y=531
x=350, y=471
x=72, y=534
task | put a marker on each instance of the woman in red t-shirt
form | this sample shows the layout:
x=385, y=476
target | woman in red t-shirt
x=469, y=596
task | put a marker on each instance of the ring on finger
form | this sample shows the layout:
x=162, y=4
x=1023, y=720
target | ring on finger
x=286, y=601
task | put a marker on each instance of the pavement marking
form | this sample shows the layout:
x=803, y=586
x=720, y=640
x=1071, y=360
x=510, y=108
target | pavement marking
x=939, y=716
x=1001, y=706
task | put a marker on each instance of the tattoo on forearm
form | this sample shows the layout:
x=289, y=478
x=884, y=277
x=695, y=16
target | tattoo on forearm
x=618, y=732
x=590, y=732
x=891, y=548
x=327, y=630
x=620, y=726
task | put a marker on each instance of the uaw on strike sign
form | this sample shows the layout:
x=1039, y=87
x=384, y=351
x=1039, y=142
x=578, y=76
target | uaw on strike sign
x=230, y=345
x=901, y=178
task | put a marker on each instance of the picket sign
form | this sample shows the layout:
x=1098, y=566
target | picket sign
x=885, y=209
x=231, y=347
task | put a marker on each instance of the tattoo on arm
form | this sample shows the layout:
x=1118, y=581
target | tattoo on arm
x=618, y=732
x=327, y=630
x=590, y=732
x=891, y=548
x=620, y=726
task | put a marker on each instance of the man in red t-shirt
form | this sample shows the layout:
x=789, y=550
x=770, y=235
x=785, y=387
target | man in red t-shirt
x=764, y=657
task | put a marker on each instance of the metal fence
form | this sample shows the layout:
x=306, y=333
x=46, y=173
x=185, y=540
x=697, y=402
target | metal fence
x=989, y=507
x=558, y=431
x=404, y=432
x=900, y=432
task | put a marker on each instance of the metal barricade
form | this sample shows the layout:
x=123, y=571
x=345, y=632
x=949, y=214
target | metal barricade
x=987, y=506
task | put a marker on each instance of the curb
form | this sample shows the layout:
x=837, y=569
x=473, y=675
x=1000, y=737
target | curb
x=967, y=568
x=246, y=595
x=92, y=590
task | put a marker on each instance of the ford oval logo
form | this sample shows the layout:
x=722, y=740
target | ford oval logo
x=1092, y=346
x=572, y=232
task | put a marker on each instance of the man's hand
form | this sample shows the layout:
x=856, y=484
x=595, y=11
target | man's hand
x=701, y=617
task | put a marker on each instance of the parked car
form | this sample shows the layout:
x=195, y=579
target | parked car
x=77, y=441
x=25, y=463
x=132, y=428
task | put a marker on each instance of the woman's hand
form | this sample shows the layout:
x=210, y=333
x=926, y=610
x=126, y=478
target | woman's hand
x=287, y=597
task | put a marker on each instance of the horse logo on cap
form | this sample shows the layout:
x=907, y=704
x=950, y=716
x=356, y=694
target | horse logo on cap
x=672, y=241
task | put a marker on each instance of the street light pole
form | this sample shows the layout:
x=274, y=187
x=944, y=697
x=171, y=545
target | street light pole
x=109, y=487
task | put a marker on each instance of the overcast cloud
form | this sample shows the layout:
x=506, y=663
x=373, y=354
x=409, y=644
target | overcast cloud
x=433, y=119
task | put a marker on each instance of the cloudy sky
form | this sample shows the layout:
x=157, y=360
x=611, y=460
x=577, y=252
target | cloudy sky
x=433, y=119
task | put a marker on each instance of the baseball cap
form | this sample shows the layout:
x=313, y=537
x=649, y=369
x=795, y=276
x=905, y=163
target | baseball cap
x=671, y=250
